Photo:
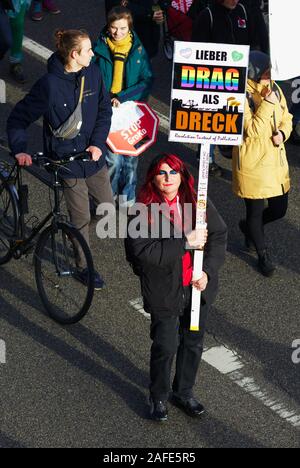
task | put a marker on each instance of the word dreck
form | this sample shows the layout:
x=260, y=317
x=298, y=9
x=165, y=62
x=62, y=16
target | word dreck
x=208, y=93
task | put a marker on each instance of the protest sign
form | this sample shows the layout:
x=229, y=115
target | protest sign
x=284, y=42
x=133, y=129
x=182, y=5
x=207, y=108
x=208, y=95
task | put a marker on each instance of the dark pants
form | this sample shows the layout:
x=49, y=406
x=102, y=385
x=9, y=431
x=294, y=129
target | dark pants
x=77, y=194
x=171, y=335
x=258, y=216
x=5, y=33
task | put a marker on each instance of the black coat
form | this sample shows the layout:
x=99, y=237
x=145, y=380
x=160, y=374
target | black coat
x=227, y=27
x=158, y=262
x=55, y=97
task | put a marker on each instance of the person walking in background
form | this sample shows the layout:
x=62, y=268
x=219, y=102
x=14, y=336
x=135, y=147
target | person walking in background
x=260, y=166
x=17, y=18
x=228, y=22
x=196, y=7
x=165, y=268
x=71, y=81
x=39, y=5
x=5, y=30
x=148, y=16
x=259, y=30
x=127, y=74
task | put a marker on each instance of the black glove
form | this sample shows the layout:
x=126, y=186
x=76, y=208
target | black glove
x=164, y=4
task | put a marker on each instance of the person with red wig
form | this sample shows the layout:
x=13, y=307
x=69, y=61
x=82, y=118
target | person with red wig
x=164, y=264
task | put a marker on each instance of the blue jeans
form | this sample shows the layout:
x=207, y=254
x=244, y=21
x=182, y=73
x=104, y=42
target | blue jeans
x=5, y=33
x=123, y=175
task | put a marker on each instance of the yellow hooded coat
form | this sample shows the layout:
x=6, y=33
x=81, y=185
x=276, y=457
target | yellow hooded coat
x=260, y=169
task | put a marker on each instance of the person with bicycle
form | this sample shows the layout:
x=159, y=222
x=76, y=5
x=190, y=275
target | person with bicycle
x=76, y=109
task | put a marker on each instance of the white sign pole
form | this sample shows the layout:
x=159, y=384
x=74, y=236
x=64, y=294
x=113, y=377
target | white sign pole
x=200, y=224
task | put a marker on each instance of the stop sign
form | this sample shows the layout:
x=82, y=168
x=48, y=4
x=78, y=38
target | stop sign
x=134, y=128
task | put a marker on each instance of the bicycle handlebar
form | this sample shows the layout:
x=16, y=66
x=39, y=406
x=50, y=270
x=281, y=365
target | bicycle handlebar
x=44, y=161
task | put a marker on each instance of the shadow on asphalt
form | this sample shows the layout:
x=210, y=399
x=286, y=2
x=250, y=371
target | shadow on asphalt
x=8, y=442
x=275, y=358
x=220, y=435
x=76, y=358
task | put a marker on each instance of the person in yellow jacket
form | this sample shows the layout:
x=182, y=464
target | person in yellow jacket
x=260, y=166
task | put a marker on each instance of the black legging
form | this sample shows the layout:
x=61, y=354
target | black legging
x=5, y=33
x=258, y=216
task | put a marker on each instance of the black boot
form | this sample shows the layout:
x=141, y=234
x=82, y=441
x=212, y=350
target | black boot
x=158, y=410
x=248, y=241
x=265, y=265
x=17, y=72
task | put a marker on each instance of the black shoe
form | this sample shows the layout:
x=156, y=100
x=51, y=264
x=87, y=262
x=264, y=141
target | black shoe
x=265, y=265
x=248, y=241
x=190, y=406
x=215, y=170
x=17, y=72
x=83, y=276
x=158, y=410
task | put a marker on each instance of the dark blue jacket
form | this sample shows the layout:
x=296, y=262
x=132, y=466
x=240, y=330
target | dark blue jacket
x=55, y=97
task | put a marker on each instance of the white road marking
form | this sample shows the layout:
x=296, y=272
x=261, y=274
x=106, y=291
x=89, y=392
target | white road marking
x=222, y=359
x=2, y=352
x=163, y=120
x=249, y=385
x=36, y=49
x=228, y=363
x=137, y=304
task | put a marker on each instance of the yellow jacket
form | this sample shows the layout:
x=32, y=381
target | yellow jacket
x=260, y=169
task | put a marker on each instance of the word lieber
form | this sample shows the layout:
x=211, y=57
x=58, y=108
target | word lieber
x=211, y=55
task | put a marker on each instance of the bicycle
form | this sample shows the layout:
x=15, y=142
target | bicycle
x=65, y=298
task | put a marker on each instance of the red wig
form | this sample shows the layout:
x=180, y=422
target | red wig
x=149, y=193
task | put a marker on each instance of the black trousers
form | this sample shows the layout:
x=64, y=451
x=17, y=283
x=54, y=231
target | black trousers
x=258, y=216
x=171, y=335
x=5, y=33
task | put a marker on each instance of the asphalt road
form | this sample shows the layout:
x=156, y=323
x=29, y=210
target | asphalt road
x=86, y=385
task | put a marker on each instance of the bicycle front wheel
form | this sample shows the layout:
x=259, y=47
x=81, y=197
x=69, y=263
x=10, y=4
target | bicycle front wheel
x=8, y=220
x=65, y=298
